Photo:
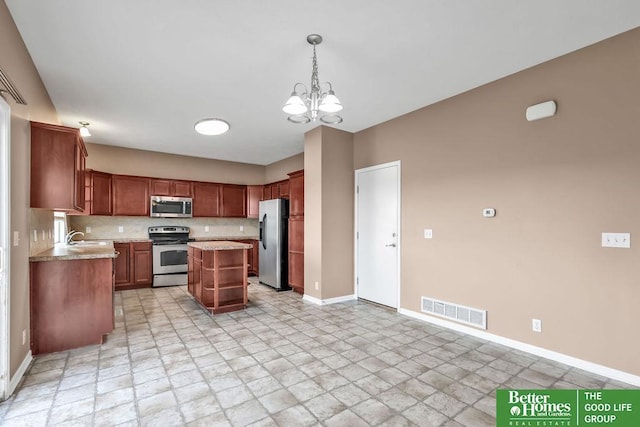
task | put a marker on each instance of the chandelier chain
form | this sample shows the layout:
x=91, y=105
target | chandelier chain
x=315, y=82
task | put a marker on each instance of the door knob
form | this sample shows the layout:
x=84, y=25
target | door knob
x=393, y=245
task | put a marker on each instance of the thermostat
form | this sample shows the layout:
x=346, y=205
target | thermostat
x=488, y=212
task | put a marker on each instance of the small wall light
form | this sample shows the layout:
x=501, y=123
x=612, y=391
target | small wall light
x=84, y=130
x=541, y=111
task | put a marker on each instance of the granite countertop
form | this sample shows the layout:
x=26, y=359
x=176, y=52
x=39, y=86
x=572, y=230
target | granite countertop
x=219, y=245
x=66, y=253
x=212, y=238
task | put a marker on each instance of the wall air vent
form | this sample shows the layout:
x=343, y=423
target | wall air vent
x=457, y=312
x=7, y=87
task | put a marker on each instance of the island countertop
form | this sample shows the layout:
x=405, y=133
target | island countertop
x=219, y=245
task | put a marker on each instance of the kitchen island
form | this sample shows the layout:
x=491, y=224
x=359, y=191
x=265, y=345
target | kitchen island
x=217, y=274
x=71, y=297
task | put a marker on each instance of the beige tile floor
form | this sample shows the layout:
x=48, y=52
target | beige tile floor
x=280, y=362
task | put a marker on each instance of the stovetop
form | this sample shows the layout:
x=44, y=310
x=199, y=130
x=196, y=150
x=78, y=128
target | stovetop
x=169, y=235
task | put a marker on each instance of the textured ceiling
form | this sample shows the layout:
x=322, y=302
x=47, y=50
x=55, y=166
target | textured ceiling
x=143, y=72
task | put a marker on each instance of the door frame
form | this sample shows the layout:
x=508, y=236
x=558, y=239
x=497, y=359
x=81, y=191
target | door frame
x=5, y=249
x=398, y=164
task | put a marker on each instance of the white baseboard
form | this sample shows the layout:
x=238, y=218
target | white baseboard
x=317, y=301
x=17, y=377
x=538, y=351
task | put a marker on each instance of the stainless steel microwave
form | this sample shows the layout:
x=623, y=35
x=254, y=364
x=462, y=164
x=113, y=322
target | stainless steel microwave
x=171, y=207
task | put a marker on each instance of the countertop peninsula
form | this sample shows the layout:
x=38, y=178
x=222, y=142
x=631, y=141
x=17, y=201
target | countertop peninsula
x=74, y=252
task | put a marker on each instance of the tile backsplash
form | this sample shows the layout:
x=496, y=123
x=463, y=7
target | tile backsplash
x=108, y=227
x=40, y=231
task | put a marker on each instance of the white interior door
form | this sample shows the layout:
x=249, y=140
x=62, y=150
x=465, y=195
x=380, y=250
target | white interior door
x=5, y=121
x=378, y=234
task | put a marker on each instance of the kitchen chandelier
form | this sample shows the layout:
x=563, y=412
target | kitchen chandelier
x=307, y=106
x=84, y=130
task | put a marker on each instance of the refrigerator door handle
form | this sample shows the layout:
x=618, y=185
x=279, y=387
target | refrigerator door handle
x=263, y=231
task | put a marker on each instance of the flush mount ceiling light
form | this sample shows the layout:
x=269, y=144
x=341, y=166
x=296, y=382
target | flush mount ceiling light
x=211, y=126
x=84, y=130
x=308, y=106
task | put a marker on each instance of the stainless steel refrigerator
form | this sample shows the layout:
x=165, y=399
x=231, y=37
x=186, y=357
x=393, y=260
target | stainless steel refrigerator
x=273, y=255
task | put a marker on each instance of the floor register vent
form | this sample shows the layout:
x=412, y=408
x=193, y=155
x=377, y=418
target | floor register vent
x=457, y=312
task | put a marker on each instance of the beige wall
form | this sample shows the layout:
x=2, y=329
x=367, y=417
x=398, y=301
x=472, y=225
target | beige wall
x=16, y=62
x=556, y=184
x=337, y=213
x=129, y=161
x=328, y=213
x=313, y=212
x=278, y=171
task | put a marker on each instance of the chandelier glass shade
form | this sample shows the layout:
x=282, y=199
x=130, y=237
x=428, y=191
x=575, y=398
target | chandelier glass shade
x=321, y=102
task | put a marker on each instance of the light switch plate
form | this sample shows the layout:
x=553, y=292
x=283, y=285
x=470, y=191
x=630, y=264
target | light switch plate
x=428, y=233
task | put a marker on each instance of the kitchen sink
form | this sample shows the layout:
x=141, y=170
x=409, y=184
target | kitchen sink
x=88, y=243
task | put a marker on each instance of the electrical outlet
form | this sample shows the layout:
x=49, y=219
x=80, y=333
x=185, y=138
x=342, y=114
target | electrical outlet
x=44, y=235
x=49, y=234
x=536, y=325
x=242, y=228
x=428, y=233
x=616, y=240
x=35, y=235
x=16, y=238
x=206, y=228
x=317, y=286
x=24, y=336
x=120, y=229
x=87, y=230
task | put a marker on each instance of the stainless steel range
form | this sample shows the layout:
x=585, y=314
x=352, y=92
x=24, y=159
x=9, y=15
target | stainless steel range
x=169, y=255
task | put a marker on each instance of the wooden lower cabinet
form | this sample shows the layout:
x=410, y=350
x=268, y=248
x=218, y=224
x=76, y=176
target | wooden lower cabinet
x=122, y=265
x=133, y=266
x=296, y=254
x=252, y=256
x=71, y=303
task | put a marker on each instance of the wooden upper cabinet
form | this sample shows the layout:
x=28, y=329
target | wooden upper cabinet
x=234, y=200
x=182, y=188
x=296, y=193
x=206, y=199
x=170, y=187
x=160, y=187
x=283, y=189
x=100, y=193
x=254, y=195
x=266, y=192
x=57, y=168
x=130, y=195
x=275, y=190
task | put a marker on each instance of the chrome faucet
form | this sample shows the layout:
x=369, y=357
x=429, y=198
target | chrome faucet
x=70, y=235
